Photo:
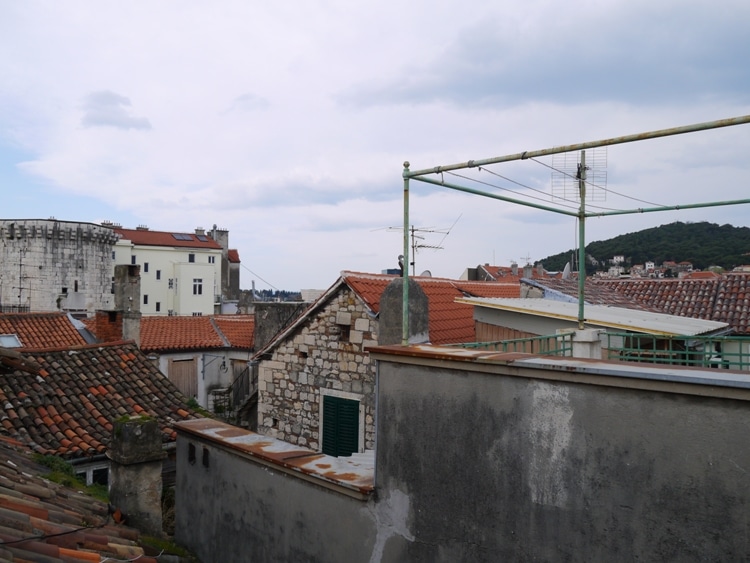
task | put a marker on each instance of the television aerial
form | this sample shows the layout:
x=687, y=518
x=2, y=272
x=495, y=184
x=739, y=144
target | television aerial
x=566, y=175
x=418, y=236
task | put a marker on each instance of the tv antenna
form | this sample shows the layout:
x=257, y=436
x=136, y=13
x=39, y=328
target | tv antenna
x=418, y=236
x=566, y=175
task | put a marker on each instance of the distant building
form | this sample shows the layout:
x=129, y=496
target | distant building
x=50, y=265
x=181, y=273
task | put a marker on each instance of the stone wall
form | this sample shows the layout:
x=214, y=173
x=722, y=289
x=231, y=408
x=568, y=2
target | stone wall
x=49, y=265
x=327, y=352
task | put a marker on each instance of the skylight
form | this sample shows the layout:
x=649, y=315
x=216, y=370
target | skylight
x=9, y=341
x=182, y=236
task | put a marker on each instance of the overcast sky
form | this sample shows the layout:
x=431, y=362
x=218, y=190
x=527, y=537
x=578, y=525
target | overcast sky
x=288, y=123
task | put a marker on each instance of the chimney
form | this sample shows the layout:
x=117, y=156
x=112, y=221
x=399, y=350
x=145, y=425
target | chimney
x=200, y=231
x=108, y=326
x=141, y=228
x=527, y=270
x=135, y=472
x=128, y=300
x=514, y=269
x=540, y=270
x=390, y=327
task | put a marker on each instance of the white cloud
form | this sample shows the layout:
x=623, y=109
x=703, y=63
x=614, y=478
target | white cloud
x=289, y=124
x=107, y=109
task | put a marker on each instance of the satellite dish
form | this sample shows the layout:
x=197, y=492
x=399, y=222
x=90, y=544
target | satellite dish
x=566, y=271
x=426, y=274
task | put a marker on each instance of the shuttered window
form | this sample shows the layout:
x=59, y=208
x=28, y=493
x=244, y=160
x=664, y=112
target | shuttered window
x=340, y=426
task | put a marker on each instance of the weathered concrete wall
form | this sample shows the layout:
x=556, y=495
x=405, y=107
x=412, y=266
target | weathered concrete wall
x=49, y=265
x=487, y=457
x=270, y=318
x=327, y=352
x=496, y=467
x=231, y=509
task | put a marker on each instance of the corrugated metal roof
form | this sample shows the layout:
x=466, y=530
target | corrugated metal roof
x=603, y=316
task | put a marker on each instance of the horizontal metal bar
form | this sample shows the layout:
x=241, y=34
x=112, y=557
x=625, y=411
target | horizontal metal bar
x=582, y=146
x=668, y=208
x=493, y=196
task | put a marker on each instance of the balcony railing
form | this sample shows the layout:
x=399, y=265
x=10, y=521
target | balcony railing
x=555, y=345
x=720, y=352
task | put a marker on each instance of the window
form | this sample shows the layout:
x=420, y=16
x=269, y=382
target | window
x=340, y=426
x=132, y=259
x=75, y=286
x=158, y=306
x=158, y=274
x=197, y=286
x=191, y=257
x=212, y=259
x=145, y=267
x=171, y=283
x=197, y=314
x=113, y=255
x=345, y=332
x=9, y=341
x=145, y=299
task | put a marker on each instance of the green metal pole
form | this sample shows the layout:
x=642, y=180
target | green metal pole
x=581, y=238
x=405, y=264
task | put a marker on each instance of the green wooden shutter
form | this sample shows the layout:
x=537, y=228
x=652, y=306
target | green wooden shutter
x=340, y=426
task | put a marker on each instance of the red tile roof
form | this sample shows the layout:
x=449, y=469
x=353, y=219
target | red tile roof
x=505, y=273
x=449, y=322
x=46, y=521
x=162, y=334
x=238, y=330
x=161, y=238
x=724, y=298
x=41, y=330
x=594, y=294
x=64, y=402
x=178, y=333
x=233, y=256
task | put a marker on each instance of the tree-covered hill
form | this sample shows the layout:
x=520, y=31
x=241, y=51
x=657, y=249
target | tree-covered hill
x=703, y=244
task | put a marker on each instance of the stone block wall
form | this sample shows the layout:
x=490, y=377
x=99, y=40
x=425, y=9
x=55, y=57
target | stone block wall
x=327, y=352
x=49, y=265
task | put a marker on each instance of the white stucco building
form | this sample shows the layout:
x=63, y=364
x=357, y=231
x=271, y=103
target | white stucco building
x=181, y=273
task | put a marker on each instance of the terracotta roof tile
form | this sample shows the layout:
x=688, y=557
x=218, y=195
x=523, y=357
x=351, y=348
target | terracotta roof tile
x=178, y=333
x=76, y=415
x=162, y=238
x=239, y=330
x=161, y=334
x=233, y=255
x=61, y=524
x=41, y=330
x=723, y=298
x=449, y=322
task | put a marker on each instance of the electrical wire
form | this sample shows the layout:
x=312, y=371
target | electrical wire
x=260, y=278
x=595, y=186
x=505, y=189
x=588, y=205
x=46, y=536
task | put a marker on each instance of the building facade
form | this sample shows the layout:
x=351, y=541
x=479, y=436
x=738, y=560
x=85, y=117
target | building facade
x=181, y=273
x=51, y=265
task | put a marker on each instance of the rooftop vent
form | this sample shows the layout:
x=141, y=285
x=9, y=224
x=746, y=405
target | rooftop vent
x=142, y=228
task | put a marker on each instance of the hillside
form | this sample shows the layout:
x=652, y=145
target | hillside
x=704, y=244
